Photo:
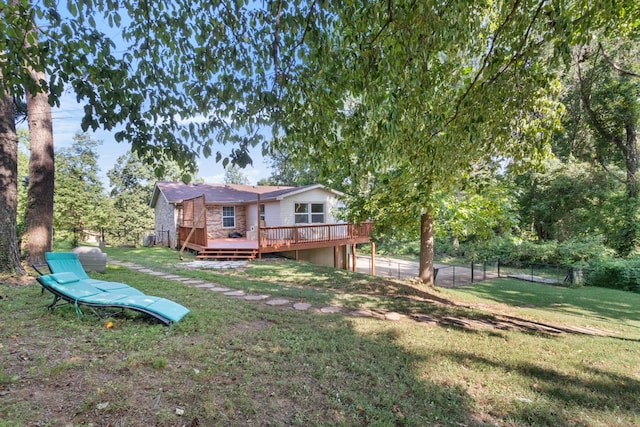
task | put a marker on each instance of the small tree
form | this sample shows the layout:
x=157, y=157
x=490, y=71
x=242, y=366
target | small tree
x=132, y=182
x=79, y=198
x=234, y=175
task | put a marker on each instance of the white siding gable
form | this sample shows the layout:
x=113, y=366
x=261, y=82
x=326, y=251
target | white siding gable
x=317, y=195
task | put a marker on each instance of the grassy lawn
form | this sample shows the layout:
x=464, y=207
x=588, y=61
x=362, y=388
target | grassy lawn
x=238, y=363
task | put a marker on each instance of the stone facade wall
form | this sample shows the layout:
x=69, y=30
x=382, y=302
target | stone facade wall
x=165, y=223
x=214, y=222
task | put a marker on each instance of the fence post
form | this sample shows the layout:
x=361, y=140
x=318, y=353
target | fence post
x=472, y=271
x=532, y=272
x=454, y=276
x=498, y=267
x=484, y=270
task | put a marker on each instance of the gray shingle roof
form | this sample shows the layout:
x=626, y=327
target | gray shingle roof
x=176, y=192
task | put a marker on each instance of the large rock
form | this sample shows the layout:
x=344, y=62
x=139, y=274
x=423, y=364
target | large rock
x=91, y=258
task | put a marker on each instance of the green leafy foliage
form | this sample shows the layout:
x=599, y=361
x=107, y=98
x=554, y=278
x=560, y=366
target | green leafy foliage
x=234, y=175
x=602, y=124
x=623, y=274
x=23, y=177
x=132, y=182
x=516, y=250
x=560, y=200
x=79, y=201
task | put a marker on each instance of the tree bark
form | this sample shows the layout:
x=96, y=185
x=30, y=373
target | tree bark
x=425, y=273
x=36, y=239
x=9, y=255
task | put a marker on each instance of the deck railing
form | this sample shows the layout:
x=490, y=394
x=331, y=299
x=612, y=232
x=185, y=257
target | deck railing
x=305, y=234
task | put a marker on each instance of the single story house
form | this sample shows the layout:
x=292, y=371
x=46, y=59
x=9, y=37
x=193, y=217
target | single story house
x=214, y=219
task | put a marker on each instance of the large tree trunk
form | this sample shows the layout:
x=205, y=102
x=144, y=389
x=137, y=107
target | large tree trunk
x=425, y=273
x=9, y=255
x=36, y=239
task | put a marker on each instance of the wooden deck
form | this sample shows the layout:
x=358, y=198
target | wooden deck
x=278, y=239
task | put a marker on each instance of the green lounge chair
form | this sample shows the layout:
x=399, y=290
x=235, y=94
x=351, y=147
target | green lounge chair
x=68, y=262
x=68, y=287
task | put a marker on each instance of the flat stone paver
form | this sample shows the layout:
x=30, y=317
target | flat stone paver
x=171, y=277
x=193, y=282
x=393, y=316
x=156, y=273
x=205, y=285
x=362, y=313
x=330, y=309
x=213, y=264
x=255, y=297
x=302, y=306
x=219, y=289
x=277, y=301
x=235, y=293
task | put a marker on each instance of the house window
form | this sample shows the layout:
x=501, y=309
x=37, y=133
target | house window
x=317, y=213
x=262, y=214
x=228, y=217
x=308, y=213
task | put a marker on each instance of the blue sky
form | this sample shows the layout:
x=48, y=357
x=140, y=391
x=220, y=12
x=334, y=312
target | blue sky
x=67, y=119
x=66, y=123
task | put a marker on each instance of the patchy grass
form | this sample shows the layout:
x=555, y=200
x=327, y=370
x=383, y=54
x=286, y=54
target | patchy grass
x=607, y=309
x=231, y=362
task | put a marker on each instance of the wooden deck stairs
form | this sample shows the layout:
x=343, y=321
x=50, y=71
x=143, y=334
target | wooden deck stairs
x=230, y=254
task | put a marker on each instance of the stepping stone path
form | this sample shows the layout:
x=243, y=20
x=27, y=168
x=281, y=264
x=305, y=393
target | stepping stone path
x=363, y=312
x=255, y=297
x=235, y=293
x=277, y=301
x=265, y=299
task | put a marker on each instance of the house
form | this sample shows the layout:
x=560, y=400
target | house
x=245, y=221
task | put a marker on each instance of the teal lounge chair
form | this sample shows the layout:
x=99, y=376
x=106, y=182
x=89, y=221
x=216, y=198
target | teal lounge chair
x=68, y=262
x=68, y=287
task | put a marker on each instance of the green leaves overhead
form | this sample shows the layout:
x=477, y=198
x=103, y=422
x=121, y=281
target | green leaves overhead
x=362, y=85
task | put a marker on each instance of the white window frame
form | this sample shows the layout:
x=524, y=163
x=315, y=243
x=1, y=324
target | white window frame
x=262, y=213
x=309, y=216
x=227, y=216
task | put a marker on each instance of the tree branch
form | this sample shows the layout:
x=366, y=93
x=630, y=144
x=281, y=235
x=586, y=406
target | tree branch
x=276, y=40
x=593, y=118
x=600, y=160
x=615, y=66
x=485, y=63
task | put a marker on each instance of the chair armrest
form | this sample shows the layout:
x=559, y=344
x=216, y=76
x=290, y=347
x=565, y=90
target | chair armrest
x=40, y=268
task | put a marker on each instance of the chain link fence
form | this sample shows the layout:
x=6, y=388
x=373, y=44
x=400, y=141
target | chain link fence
x=119, y=237
x=462, y=274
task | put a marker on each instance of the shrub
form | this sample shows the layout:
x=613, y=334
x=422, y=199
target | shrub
x=622, y=274
x=513, y=250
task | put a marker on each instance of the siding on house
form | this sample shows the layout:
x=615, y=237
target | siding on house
x=322, y=256
x=166, y=220
x=287, y=205
x=271, y=215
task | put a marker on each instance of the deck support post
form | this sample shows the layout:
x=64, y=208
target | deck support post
x=373, y=258
x=353, y=257
x=297, y=255
x=335, y=256
x=259, y=233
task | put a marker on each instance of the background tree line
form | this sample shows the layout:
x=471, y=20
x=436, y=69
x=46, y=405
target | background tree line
x=577, y=203
x=406, y=105
x=82, y=203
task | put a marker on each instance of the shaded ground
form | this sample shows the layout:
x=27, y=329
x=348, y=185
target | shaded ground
x=109, y=376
